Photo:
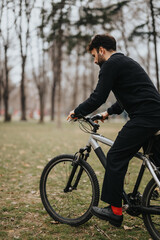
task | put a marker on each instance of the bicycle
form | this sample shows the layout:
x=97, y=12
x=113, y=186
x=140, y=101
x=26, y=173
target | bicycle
x=69, y=186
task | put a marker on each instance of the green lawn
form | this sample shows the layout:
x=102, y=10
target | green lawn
x=25, y=148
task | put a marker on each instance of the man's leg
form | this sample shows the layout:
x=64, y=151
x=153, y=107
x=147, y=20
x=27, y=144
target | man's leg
x=128, y=142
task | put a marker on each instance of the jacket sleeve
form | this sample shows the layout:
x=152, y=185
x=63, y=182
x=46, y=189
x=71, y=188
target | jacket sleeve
x=105, y=83
x=115, y=109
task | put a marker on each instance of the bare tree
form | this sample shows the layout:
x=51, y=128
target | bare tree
x=1, y=61
x=155, y=41
x=123, y=31
x=59, y=19
x=148, y=41
x=4, y=76
x=84, y=84
x=147, y=30
x=76, y=80
x=25, y=9
x=41, y=79
x=92, y=75
x=1, y=81
x=59, y=64
x=53, y=51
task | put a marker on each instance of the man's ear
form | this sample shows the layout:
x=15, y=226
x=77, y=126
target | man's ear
x=101, y=50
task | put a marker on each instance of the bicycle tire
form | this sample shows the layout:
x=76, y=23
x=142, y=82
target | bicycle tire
x=73, y=208
x=151, y=196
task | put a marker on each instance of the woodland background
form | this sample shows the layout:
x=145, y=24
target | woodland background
x=45, y=70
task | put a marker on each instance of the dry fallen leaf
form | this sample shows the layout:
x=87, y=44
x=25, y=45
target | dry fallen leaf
x=127, y=228
x=21, y=152
x=54, y=222
x=25, y=164
x=40, y=167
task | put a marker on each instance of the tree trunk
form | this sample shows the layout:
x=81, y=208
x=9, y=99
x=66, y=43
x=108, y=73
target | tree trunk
x=92, y=77
x=123, y=32
x=148, y=42
x=43, y=84
x=59, y=71
x=23, y=96
x=59, y=61
x=53, y=100
x=6, y=87
x=41, y=100
x=76, y=80
x=84, y=83
x=1, y=92
x=54, y=83
x=5, y=99
x=155, y=42
x=1, y=82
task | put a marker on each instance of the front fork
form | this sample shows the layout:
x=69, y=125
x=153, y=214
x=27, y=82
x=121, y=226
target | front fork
x=77, y=157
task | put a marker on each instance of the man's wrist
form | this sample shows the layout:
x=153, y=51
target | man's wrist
x=105, y=115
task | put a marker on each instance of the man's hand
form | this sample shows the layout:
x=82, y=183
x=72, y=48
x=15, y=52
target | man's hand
x=100, y=116
x=105, y=115
x=70, y=116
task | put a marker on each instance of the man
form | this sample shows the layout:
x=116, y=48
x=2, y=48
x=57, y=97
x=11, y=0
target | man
x=136, y=94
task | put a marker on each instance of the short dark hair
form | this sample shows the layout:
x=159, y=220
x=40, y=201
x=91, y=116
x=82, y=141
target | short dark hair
x=102, y=40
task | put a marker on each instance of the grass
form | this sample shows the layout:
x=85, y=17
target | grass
x=25, y=148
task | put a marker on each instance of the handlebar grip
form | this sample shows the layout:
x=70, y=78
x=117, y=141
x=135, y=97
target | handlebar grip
x=97, y=117
x=72, y=115
x=76, y=116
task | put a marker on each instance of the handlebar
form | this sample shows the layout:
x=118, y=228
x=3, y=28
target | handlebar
x=90, y=120
x=97, y=117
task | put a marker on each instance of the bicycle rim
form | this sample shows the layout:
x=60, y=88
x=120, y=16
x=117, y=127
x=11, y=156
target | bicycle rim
x=71, y=207
x=152, y=198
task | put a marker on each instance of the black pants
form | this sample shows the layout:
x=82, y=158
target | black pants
x=129, y=140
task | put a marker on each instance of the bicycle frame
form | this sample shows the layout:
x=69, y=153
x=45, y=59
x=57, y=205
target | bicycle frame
x=93, y=142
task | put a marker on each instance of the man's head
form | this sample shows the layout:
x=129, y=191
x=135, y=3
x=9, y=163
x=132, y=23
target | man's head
x=102, y=47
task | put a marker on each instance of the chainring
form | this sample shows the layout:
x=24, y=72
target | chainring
x=135, y=201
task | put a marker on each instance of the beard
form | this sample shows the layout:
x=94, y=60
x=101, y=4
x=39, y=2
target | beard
x=101, y=60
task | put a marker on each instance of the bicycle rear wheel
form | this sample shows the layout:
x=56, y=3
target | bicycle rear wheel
x=151, y=197
x=71, y=207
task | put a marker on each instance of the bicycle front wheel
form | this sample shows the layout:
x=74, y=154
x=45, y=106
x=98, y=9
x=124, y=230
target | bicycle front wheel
x=73, y=206
x=151, y=198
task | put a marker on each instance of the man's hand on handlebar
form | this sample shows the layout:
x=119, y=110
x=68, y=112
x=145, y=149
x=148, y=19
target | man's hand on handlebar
x=101, y=116
x=105, y=115
x=71, y=116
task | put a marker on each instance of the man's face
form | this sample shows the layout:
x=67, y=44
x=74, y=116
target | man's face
x=98, y=57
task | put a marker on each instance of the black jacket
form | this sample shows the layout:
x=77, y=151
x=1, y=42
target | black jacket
x=132, y=88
